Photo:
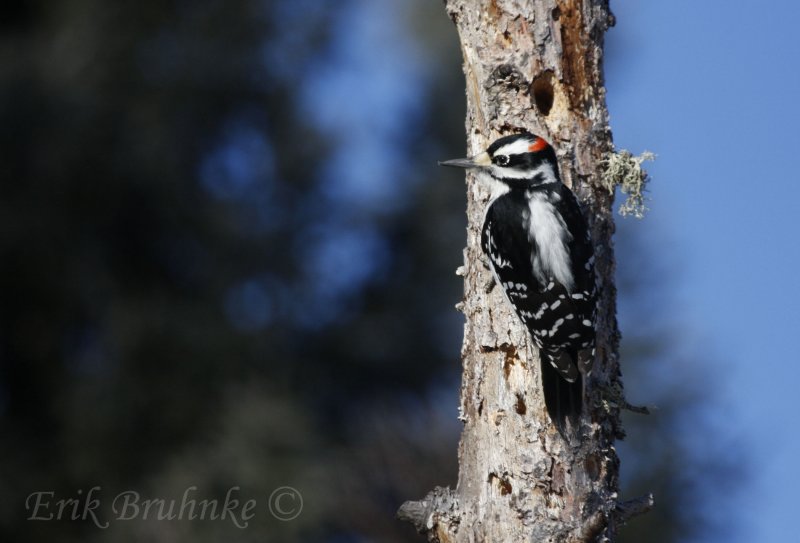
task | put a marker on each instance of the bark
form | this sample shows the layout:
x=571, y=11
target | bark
x=533, y=65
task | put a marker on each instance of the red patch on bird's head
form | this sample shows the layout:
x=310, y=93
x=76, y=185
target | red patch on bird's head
x=538, y=145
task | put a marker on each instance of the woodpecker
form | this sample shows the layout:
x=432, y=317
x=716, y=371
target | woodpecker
x=537, y=243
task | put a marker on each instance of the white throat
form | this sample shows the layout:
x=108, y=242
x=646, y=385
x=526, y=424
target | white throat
x=496, y=188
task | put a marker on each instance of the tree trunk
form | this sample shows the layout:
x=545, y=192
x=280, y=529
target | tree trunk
x=537, y=66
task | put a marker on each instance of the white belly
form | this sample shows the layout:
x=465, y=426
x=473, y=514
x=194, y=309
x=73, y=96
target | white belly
x=547, y=229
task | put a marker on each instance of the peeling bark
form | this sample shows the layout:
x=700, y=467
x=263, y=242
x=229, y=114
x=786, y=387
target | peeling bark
x=532, y=65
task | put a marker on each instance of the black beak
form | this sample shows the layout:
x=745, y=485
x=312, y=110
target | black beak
x=481, y=160
x=459, y=163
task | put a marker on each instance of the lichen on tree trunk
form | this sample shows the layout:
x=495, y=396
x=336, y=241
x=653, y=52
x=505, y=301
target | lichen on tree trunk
x=537, y=66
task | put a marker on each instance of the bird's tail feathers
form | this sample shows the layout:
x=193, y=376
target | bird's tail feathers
x=563, y=399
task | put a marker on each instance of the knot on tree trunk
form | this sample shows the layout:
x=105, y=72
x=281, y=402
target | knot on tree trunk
x=435, y=516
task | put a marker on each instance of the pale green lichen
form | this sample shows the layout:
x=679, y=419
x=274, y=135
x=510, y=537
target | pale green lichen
x=625, y=171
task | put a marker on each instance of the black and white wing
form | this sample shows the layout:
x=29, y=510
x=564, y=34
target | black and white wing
x=559, y=317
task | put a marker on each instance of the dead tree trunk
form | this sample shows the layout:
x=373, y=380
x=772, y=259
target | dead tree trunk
x=533, y=65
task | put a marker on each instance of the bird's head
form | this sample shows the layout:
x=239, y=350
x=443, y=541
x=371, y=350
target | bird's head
x=520, y=157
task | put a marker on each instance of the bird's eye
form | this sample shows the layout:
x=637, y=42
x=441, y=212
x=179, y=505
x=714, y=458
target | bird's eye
x=501, y=160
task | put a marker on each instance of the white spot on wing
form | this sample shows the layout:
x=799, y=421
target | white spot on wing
x=556, y=326
x=540, y=311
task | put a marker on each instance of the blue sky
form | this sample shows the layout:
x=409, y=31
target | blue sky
x=712, y=88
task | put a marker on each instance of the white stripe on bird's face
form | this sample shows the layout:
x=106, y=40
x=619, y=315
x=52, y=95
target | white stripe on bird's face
x=518, y=147
x=544, y=169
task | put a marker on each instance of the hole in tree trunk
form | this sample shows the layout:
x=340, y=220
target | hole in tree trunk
x=543, y=93
x=520, y=406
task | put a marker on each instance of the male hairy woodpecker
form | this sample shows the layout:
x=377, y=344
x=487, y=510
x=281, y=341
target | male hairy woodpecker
x=537, y=243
